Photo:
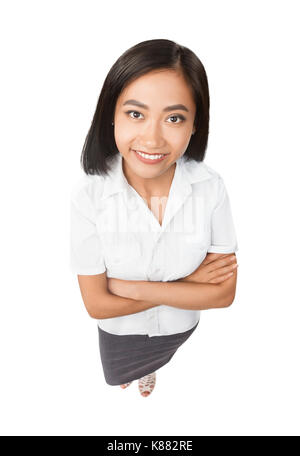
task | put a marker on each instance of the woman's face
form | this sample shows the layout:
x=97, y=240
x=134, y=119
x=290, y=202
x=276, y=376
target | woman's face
x=147, y=120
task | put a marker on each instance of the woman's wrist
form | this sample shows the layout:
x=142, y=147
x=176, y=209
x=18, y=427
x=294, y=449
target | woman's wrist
x=123, y=288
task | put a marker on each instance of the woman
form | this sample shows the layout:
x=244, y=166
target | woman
x=151, y=224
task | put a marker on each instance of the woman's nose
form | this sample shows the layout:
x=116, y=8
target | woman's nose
x=151, y=136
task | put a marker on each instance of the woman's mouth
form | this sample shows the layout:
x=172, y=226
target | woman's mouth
x=149, y=158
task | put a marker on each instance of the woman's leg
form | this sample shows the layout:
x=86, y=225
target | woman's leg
x=124, y=385
x=147, y=384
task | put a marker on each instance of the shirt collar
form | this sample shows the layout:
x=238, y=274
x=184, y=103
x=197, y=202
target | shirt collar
x=193, y=172
x=114, y=181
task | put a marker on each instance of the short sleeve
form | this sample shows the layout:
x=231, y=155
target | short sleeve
x=223, y=234
x=86, y=253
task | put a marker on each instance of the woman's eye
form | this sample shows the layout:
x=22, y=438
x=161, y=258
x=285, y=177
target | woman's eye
x=178, y=117
x=136, y=112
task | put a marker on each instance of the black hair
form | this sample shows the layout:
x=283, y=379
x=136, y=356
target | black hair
x=100, y=145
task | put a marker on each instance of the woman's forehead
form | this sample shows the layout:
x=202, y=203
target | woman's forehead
x=160, y=89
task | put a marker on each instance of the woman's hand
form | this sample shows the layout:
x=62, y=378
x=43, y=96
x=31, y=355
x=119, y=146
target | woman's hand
x=213, y=269
x=123, y=288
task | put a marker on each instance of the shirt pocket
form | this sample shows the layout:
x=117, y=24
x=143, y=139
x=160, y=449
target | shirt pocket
x=189, y=254
x=121, y=250
x=198, y=239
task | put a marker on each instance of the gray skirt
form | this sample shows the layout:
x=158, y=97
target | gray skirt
x=129, y=357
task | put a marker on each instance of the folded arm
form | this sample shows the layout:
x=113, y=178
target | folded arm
x=185, y=295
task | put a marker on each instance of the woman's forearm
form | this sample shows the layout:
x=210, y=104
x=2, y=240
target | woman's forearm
x=185, y=295
x=116, y=306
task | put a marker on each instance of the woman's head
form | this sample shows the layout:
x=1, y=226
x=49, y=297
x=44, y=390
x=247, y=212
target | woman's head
x=157, y=74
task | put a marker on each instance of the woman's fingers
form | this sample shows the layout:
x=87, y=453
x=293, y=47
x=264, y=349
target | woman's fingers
x=221, y=262
x=210, y=257
x=219, y=275
x=221, y=278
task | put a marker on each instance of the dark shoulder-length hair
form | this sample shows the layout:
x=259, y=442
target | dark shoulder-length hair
x=100, y=145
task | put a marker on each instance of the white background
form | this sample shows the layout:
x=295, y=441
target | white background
x=238, y=374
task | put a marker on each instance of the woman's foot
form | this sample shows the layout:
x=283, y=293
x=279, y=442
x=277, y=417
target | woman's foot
x=147, y=384
x=125, y=385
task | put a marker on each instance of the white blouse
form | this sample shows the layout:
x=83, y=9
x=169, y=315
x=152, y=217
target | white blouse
x=113, y=230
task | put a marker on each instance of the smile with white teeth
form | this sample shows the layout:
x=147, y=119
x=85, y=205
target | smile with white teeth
x=151, y=157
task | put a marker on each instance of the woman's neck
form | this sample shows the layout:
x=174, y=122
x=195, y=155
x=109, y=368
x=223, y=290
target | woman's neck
x=147, y=188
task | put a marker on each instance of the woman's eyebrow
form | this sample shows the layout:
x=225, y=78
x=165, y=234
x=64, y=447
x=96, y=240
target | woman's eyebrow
x=168, y=108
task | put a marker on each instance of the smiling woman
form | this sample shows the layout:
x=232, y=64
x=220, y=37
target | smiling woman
x=153, y=138
x=147, y=212
x=152, y=56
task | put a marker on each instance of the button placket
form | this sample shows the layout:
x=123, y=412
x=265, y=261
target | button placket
x=157, y=260
x=153, y=321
